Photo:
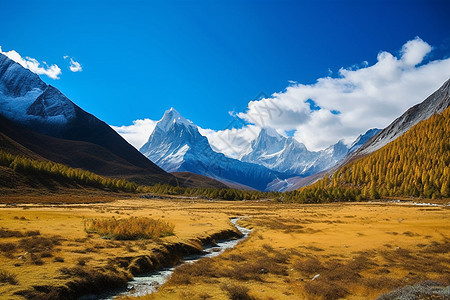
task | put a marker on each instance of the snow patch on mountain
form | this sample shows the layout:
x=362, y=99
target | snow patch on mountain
x=177, y=145
x=362, y=139
x=25, y=98
x=170, y=117
x=287, y=155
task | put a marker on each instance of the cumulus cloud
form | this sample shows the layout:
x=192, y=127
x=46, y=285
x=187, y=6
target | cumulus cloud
x=52, y=71
x=74, y=65
x=232, y=142
x=138, y=133
x=414, y=51
x=359, y=98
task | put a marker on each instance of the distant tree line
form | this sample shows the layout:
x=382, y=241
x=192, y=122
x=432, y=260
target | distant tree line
x=212, y=193
x=63, y=173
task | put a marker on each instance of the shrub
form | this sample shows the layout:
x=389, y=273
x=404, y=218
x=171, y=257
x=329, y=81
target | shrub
x=32, y=233
x=236, y=257
x=7, y=247
x=133, y=228
x=184, y=273
x=58, y=259
x=46, y=254
x=81, y=262
x=254, y=264
x=38, y=244
x=204, y=296
x=325, y=290
x=309, y=266
x=237, y=292
x=4, y=233
x=7, y=277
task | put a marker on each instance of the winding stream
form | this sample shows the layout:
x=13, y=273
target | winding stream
x=149, y=283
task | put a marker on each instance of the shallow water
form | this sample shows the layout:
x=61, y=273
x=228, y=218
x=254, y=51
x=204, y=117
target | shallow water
x=149, y=283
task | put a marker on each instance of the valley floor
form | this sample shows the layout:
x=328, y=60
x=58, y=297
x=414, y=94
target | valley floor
x=348, y=250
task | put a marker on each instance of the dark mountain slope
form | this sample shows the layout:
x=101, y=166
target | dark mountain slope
x=19, y=140
x=63, y=132
x=196, y=180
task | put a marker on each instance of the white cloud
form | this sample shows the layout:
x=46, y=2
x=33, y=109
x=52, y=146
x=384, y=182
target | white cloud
x=74, y=65
x=360, y=98
x=138, y=133
x=232, y=142
x=414, y=51
x=33, y=65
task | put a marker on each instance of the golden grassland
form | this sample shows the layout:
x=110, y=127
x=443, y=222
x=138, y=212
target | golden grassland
x=360, y=250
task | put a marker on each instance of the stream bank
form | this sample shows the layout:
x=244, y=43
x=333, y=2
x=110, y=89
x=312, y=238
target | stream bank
x=83, y=282
x=149, y=283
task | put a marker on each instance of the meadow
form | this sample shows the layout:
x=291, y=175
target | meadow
x=295, y=251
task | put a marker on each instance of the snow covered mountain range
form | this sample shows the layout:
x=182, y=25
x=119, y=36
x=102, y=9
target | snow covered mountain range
x=287, y=155
x=177, y=145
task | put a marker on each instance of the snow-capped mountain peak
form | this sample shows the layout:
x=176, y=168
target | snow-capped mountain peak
x=177, y=145
x=362, y=139
x=16, y=81
x=338, y=149
x=269, y=131
x=269, y=141
x=25, y=98
x=171, y=117
x=276, y=152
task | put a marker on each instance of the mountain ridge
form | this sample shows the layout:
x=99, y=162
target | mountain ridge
x=27, y=101
x=435, y=103
x=177, y=145
x=414, y=164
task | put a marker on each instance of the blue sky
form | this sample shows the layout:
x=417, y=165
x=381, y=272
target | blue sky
x=207, y=58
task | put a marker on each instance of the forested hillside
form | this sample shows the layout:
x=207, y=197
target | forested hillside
x=56, y=174
x=417, y=164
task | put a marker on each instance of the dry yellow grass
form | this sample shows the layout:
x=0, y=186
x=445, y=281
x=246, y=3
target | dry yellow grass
x=133, y=228
x=64, y=244
x=360, y=250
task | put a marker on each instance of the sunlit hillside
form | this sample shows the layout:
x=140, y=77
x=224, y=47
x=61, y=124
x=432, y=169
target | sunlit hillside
x=417, y=164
